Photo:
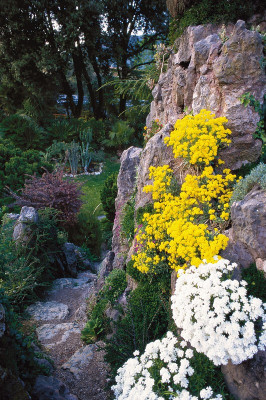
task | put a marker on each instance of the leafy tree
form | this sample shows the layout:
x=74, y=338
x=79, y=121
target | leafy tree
x=50, y=46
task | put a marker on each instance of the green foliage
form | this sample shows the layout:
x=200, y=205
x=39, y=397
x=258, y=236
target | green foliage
x=114, y=285
x=56, y=153
x=146, y=319
x=120, y=136
x=209, y=11
x=66, y=129
x=98, y=324
x=256, y=179
x=127, y=220
x=22, y=131
x=19, y=355
x=15, y=164
x=92, y=330
x=256, y=282
x=108, y=196
x=207, y=374
x=148, y=208
x=135, y=273
x=85, y=149
x=26, y=266
x=99, y=130
x=260, y=133
x=73, y=155
x=86, y=232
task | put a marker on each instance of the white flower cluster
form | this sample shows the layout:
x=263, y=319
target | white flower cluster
x=135, y=379
x=216, y=315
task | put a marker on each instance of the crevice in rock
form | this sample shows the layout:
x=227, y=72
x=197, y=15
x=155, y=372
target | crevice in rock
x=185, y=64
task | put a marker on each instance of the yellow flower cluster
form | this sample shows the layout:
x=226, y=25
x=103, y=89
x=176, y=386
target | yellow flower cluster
x=183, y=229
x=198, y=138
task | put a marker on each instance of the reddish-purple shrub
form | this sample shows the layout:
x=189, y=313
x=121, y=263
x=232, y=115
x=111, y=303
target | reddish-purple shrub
x=53, y=191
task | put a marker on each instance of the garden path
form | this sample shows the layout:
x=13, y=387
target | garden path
x=59, y=321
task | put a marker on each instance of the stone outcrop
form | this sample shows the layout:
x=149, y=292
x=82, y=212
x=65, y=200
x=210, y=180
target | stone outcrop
x=211, y=73
x=247, y=381
x=249, y=225
x=22, y=229
x=126, y=181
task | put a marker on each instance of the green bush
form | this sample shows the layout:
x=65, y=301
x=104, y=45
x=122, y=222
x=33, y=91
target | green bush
x=207, y=374
x=256, y=179
x=26, y=268
x=108, y=196
x=146, y=319
x=22, y=131
x=209, y=11
x=87, y=232
x=98, y=324
x=19, y=357
x=256, y=282
x=65, y=130
x=15, y=164
x=114, y=285
x=120, y=136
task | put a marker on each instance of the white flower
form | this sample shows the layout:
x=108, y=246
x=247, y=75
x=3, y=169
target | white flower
x=216, y=315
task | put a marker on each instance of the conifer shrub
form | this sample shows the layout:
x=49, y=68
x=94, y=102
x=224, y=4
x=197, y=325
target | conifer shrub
x=22, y=131
x=15, y=164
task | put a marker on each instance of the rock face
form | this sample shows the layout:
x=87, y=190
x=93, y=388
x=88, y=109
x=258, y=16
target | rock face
x=249, y=225
x=247, y=381
x=126, y=184
x=209, y=73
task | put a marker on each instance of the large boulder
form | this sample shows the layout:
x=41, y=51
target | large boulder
x=249, y=225
x=247, y=381
x=126, y=181
x=212, y=71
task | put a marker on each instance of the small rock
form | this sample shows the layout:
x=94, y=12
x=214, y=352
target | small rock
x=50, y=388
x=48, y=311
x=81, y=358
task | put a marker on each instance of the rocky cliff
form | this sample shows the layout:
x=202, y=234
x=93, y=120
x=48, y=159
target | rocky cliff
x=213, y=67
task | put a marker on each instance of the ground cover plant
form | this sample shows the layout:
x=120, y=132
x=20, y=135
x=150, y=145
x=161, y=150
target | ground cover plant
x=184, y=228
